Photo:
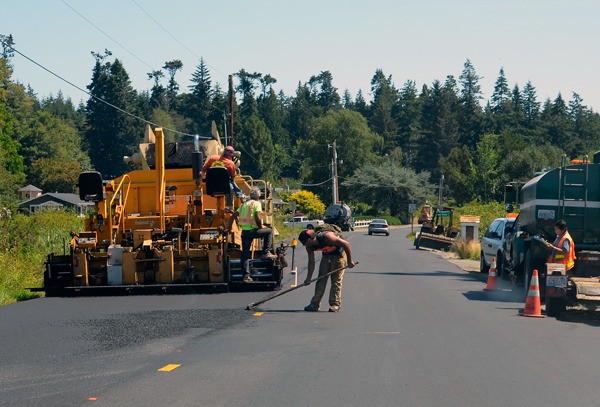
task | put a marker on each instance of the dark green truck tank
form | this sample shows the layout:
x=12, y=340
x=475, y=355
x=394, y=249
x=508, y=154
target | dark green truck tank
x=570, y=192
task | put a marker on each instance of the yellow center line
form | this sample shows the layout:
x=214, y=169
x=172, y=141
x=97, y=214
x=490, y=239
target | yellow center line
x=258, y=314
x=168, y=368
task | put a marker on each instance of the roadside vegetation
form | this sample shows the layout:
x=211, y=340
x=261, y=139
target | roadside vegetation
x=25, y=241
x=466, y=249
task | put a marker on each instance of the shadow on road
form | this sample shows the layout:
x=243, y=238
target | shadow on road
x=501, y=295
x=462, y=276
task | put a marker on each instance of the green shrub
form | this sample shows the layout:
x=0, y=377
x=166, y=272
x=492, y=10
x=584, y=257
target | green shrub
x=25, y=241
x=487, y=213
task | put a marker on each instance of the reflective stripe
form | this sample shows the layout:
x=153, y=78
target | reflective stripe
x=560, y=258
x=247, y=212
x=556, y=202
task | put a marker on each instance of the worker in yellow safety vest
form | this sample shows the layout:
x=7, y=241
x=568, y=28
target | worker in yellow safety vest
x=249, y=219
x=562, y=250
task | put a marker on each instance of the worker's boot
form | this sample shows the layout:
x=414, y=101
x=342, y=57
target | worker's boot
x=334, y=308
x=311, y=308
x=269, y=255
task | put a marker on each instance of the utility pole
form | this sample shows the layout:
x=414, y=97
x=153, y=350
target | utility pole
x=231, y=109
x=334, y=174
x=441, y=196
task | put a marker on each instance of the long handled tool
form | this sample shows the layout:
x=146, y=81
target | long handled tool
x=279, y=294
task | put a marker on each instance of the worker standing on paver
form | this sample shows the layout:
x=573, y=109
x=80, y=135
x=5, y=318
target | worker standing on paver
x=337, y=252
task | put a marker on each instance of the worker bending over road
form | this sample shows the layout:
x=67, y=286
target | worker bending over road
x=337, y=252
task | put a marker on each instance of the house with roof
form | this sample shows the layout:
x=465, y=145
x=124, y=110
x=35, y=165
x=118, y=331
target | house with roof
x=29, y=192
x=55, y=201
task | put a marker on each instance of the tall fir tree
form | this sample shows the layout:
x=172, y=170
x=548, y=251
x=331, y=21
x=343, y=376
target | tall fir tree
x=385, y=97
x=470, y=112
x=111, y=133
x=408, y=118
x=172, y=67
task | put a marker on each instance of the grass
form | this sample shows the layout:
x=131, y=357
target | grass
x=25, y=241
x=466, y=249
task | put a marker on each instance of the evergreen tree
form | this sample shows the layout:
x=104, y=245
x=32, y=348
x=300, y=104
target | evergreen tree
x=198, y=105
x=500, y=108
x=460, y=174
x=266, y=84
x=111, y=133
x=385, y=97
x=255, y=142
x=518, y=115
x=172, y=67
x=302, y=111
x=531, y=106
x=273, y=114
x=360, y=105
x=501, y=93
x=324, y=92
x=440, y=126
x=470, y=113
x=347, y=102
x=559, y=127
x=247, y=83
x=11, y=161
x=408, y=119
x=158, y=93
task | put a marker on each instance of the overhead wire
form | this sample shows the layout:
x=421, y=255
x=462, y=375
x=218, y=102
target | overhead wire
x=111, y=38
x=316, y=185
x=173, y=36
x=98, y=98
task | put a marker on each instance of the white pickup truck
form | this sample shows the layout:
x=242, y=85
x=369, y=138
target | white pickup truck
x=303, y=222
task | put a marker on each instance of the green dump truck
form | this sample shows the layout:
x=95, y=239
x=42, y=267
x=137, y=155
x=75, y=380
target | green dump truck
x=570, y=192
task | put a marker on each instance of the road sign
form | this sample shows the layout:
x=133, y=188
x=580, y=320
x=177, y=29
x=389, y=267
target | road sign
x=412, y=208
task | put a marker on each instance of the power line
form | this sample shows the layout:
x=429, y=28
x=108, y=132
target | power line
x=96, y=97
x=164, y=29
x=316, y=185
x=172, y=36
x=115, y=41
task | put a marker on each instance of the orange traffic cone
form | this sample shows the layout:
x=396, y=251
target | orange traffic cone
x=533, y=307
x=491, y=283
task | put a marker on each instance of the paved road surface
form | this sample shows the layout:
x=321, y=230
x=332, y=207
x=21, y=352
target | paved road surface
x=414, y=330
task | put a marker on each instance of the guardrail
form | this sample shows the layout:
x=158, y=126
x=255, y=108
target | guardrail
x=362, y=223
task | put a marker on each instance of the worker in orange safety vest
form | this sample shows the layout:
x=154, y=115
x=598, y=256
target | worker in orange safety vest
x=562, y=250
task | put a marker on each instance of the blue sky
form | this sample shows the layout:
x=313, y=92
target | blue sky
x=552, y=43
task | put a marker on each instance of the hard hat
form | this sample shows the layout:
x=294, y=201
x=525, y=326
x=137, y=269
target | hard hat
x=229, y=150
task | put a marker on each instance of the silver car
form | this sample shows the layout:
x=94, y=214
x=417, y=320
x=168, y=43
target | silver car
x=379, y=226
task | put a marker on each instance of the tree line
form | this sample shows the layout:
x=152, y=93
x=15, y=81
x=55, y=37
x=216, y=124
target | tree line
x=392, y=148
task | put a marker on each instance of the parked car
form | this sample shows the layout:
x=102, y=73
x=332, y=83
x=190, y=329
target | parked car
x=492, y=244
x=303, y=222
x=379, y=226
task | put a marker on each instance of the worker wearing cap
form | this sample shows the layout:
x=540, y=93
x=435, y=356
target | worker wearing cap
x=337, y=252
x=225, y=160
x=249, y=219
x=562, y=250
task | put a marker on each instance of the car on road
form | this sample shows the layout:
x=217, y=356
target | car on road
x=303, y=222
x=379, y=226
x=492, y=244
